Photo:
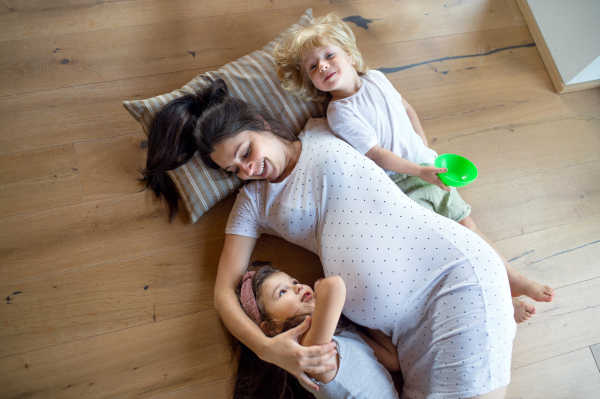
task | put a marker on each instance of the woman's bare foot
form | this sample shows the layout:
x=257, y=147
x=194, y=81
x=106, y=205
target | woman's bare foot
x=520, y=285
x=523, y=310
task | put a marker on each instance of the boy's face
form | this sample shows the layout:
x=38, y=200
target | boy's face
x=330, y=70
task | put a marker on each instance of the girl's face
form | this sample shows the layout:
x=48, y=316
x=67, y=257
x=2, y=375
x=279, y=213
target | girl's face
x=283, y=297
x=330, y=70
x=252, y=155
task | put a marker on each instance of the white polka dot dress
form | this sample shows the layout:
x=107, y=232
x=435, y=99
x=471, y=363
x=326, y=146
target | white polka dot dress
x=435, y=287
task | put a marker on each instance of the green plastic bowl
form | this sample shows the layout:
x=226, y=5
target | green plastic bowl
x=461, y=171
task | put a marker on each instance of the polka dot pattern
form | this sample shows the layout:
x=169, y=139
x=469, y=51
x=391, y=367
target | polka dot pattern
x=434, y=286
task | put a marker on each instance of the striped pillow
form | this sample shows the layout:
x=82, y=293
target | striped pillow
x=251, y=78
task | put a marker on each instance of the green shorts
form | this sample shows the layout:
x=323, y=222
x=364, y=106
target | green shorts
x=445, y=203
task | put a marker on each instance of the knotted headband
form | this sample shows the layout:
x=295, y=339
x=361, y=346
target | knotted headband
x=248, y=299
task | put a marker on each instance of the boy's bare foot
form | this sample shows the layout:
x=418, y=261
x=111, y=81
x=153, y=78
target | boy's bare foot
x=520, y=285
x=523, y=310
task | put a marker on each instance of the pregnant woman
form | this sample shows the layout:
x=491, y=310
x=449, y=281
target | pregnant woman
x=436, y=288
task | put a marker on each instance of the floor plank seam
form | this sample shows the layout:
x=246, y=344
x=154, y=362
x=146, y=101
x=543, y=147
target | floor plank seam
x=208, y=68
x=107, y=333
x=551, y=357
x=71, y=142
x=192, y=387
x=547, y=228
x=111, y=262
x=533, y=174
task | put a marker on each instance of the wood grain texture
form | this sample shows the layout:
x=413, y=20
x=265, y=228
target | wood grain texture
x=526, y=148
x=550, y=332
x=88, y=302
x=535, y=202
x=559, y=256
x=74, y=114
x=93, y=301
x=110, y=167
x=97, y=232
x=572, y=375
x=25, y=19
x=221, y=389
x=83, y=58
x=514, y=7
x=138, y=362
x=454, y=59
x=38, y=179
x=493, y=102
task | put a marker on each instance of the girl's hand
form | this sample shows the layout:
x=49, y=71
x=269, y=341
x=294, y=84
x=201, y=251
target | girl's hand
x=430, y=175
x=285, y=351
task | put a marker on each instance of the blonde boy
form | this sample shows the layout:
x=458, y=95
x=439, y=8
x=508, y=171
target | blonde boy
x=367, y=112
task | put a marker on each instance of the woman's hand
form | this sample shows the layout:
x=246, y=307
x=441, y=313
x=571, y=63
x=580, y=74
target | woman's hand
x=430, y=175
x=285, y=351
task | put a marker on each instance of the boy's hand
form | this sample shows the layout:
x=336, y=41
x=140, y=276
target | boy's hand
x=430, y=175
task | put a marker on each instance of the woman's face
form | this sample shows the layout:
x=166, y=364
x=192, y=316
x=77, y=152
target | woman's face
x=252, y=155
x=283, y=296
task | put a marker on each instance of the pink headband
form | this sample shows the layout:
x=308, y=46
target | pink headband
x=248, y=300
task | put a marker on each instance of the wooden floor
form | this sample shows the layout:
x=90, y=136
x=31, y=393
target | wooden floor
x=106, y=299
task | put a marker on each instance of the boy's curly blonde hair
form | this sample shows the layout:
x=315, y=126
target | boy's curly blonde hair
x=289, y=51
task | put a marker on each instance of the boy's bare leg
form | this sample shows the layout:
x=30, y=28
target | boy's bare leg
x=519, y=285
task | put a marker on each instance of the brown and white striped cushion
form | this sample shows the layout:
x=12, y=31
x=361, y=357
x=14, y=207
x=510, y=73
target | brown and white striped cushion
x=251, y=78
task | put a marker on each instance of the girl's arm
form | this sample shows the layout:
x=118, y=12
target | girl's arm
x=282, y=350
x=414, y=119
x=330, y=296
x=385, y=351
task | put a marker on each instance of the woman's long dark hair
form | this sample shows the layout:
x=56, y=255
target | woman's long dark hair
x=257, y=378
x=199, y=122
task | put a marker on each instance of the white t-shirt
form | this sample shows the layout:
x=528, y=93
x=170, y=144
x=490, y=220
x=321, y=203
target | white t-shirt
x=375, y=115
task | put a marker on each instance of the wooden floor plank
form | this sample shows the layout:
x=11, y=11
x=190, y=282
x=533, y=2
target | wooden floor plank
x=25, y=20
x=63, y=116
x=498, y=101
x=92, y=233
x=221, y=389
x=530, y=147
x=135, y=363
x=90, y=57
x=569, y=323
x=514, y=7
x=110, y=167
x=559, y=256
x=88, y=302
x=535, y=202
x=453, y=59
x=572, y=375
x=38, y=179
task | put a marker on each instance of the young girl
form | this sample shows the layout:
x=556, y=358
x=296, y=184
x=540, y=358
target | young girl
x=368, y=113
x=277, y=302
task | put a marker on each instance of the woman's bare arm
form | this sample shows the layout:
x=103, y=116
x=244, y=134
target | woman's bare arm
x=385, y=351
x=282, y=350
